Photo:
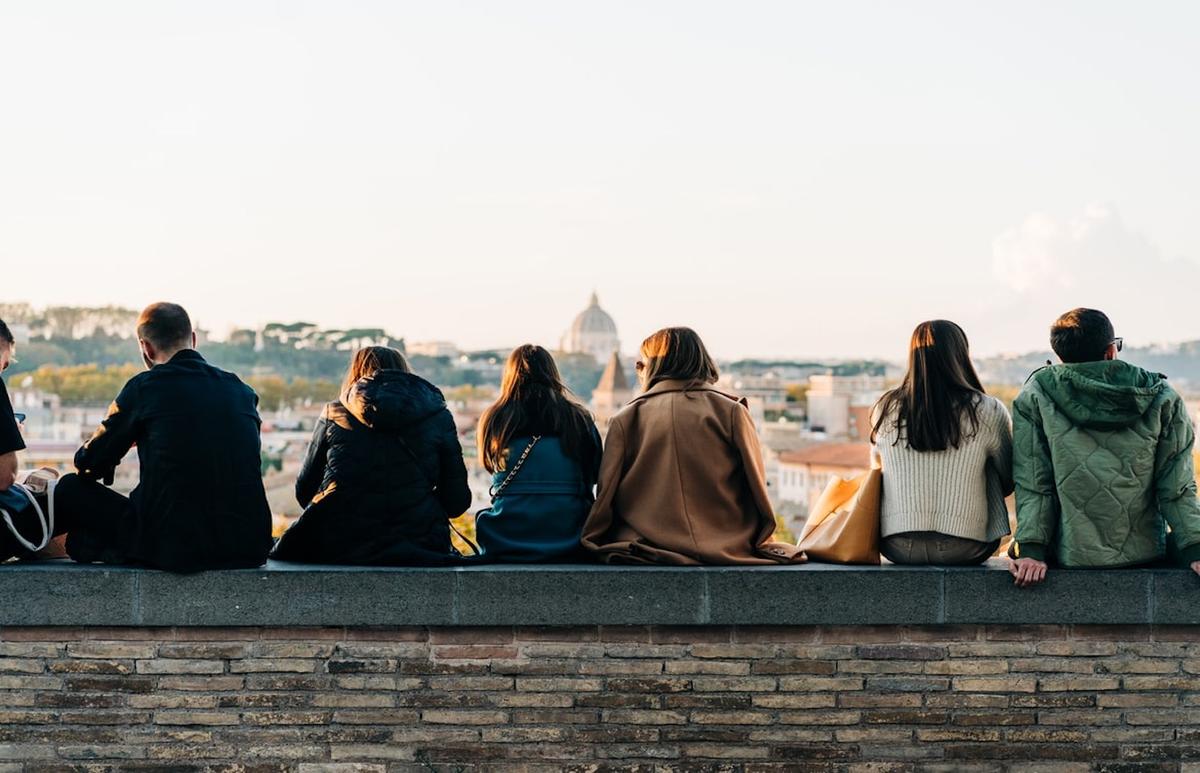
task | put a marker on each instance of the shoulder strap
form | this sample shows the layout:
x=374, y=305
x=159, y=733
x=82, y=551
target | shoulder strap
x=496, y=491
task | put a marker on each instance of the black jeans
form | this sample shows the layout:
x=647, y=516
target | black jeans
x=99, y=521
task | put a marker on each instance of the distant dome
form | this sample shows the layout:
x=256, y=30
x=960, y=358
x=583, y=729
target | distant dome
x=593, y=319
x=593, y=332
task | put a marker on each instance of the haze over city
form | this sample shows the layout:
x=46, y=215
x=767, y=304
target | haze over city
x=792, y=179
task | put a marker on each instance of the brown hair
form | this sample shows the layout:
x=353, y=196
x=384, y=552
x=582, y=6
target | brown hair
x=531, y=393
x=165, y=325
x=939, y=388
x=676, y=353
x=1082, y=335
x=368, y=360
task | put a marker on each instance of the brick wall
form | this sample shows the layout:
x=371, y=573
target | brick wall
x=626, y=698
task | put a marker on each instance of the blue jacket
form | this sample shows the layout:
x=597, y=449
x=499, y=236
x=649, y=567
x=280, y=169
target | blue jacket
x=540, y=515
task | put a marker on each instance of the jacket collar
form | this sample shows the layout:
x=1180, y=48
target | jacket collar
x=186, y=355
x=667, y=386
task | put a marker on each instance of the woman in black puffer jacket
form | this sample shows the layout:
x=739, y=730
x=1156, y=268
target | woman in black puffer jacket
x=383, y=475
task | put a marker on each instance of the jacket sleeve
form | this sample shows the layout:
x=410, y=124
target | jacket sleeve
x=118, y=432
x=1175, y=481
x=453, y=491
x=612, y=466
x=1000, y=455
x=312, y=472
x=1033, y=475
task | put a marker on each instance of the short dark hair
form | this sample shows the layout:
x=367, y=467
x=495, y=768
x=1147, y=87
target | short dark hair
x=1082, y=335
x=166, y=325
x=6, y=336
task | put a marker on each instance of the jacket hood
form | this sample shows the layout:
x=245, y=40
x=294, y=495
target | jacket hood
x=1102, y=395
x=393, y=399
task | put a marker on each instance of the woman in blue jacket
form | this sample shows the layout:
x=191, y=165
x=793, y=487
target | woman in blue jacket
x=543, y=451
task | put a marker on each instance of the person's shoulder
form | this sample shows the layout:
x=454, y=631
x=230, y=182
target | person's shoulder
x=993, y=407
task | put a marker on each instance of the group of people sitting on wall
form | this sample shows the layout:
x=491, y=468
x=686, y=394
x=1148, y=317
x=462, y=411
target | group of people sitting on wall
x=1099, y=454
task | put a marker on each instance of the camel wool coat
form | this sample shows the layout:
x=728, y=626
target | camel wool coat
x=681, y=482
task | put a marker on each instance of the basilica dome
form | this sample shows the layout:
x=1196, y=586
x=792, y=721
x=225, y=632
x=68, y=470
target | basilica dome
x=593, y=332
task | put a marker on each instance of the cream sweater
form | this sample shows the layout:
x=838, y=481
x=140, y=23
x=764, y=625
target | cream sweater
x=959, y=491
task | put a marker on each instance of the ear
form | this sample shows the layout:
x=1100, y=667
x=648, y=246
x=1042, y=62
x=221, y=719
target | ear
x=148, y=352
x=193, y=339
x=1111, y=352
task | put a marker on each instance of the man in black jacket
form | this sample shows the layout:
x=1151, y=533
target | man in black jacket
x=200, y=502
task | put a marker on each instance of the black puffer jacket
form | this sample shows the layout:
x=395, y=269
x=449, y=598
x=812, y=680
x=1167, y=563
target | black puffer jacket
x=384, y=474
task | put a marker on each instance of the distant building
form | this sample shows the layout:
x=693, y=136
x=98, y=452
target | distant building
x=839, y=405
x=433, y=349
x=801, y=476
x=768, y=388
x=593, y=332
x=612, y=393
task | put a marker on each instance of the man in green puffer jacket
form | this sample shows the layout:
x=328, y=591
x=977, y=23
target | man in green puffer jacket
x=1102, y=458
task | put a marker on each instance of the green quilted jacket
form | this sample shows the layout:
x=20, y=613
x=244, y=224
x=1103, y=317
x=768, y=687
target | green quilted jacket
x=1102, y=459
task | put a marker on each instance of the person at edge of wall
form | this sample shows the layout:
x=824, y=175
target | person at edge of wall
x=945, y=448
x=1103, y=460
x=383, y=475
x=681, y=477
x=543, y=450
x=199, y=503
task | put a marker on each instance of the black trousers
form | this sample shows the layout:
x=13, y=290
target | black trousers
x=98, y=523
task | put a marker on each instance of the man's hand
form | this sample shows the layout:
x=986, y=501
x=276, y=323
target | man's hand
x=1196, y=567
x=1029, y=571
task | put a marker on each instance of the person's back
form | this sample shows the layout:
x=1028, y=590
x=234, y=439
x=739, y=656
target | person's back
x=1103, y=459
x=945, y=448
x=681, y=479
x=199, y=502
x=543, y=451
x=200, y=497
x=383, y=475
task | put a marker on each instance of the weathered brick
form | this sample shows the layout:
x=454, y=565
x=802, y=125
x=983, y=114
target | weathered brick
x=794, y=666
x=795, y=700
x=967, y=667
x=194, y=718
x=734, y=684
x=881, y=666
x=272, y=665
x=180, y=666
x=819, y=683
x=820, y=717
x=451, y=717
x=995, y=684
x=549, y=684
x=643, y=717
x=1051, y=665
x=901, y=652
x=707, y=667
x=1078, y=683
x=112, y=650
x=620, y=666
x=22, y=666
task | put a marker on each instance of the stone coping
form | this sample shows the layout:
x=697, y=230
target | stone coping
x=281, y=594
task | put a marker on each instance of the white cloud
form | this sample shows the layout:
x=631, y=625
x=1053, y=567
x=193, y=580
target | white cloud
x=1047, y=265
x=1046, y=254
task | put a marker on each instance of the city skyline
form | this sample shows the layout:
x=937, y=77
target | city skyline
x=791, y=179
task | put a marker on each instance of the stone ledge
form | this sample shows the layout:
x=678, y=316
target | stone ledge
x=279, y=594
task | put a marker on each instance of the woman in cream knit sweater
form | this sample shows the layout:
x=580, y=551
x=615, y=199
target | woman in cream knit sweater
x=946, y=452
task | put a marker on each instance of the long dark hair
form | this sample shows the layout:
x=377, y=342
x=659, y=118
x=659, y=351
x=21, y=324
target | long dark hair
x=532, y=393
x=941, y=386
x=676, y=353
x=368, y=360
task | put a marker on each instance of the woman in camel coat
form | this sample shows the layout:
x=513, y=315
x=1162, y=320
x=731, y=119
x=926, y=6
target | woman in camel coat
x=681, y=478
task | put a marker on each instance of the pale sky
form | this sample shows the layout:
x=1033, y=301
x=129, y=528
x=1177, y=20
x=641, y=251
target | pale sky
x=789, y=178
